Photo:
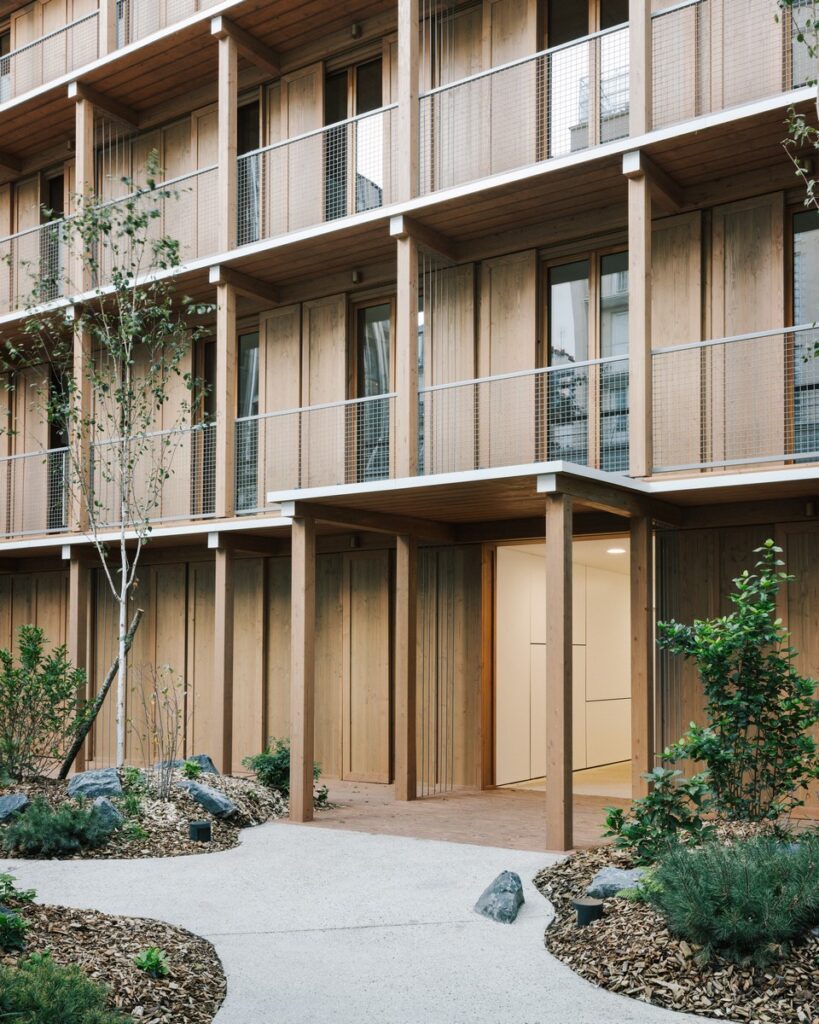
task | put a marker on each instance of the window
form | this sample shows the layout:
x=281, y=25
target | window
x=5, y=64
x=248, y=140
x=247, y=426
x=56, y=512
x=805, y=366
x=373, y=378
x=576, y=431
x=52, y=266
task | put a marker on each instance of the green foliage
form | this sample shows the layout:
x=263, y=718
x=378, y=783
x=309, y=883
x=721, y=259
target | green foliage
x=9, y=893
x=757, y=744
x=12, y=930
x=670, y=813
x=153, y=961
x=802, y=142
x=191, y=770
x=40, y=706
x=747, y=902
x=40, y=992
x=45, y=831
x=272, y=766
x=130, y=804
x=133, y=780
x=133, y=830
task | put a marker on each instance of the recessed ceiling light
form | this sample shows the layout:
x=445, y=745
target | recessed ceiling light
x=615, y=551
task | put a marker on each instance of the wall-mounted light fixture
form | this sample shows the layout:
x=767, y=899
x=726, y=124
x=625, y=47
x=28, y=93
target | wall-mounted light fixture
x=357, y=277
x=355, y=30
x=615, y=551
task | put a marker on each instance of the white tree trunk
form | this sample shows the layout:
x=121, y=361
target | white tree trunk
x=122, y=672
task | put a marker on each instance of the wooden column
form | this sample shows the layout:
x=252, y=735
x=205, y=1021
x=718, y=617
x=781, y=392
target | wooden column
x=559, y=809
x=302, y=667
x=223, y=657
x=84, y=187
x=406, y=617
x=79, y=480
x=642, y=652
x=107, y=27
x=406, y=359
x=640, y=66
x=639, y=322
x=77, y=638
x=406, y=153
x=226, y=355
x=228, y=115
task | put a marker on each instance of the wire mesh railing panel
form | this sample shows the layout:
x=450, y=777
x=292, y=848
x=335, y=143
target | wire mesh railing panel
x=137, y=19
x=33, y=266
x=49, y=57
x=320, y=176
x=710, y=55
x=316, y=446
x=552, y=104
x=153, y=478
x=34, y=493
x=575, y=413
x=751, y=399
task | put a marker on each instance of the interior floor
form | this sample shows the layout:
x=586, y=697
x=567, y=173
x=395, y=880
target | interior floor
x=608, y=780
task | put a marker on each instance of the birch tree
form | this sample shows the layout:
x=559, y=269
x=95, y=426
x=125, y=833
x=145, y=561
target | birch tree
x=116, y=354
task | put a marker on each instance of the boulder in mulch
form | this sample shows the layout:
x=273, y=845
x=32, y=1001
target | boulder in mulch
x=203, y=760
x=11, y=806
x=502, y=900
x=212, y=800
x=108, y=813
x=609, y=881
x=101, y=782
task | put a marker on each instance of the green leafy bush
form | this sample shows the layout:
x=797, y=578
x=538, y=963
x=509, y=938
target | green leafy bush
x=41, y=710
x=757, y=744
x=272, y=766
x=12, y=930
x=40, y=992
x=9, y=893
x=45, y=831
x=670, y=813
x=191, y=770
x=747, y=902
x=153, y=961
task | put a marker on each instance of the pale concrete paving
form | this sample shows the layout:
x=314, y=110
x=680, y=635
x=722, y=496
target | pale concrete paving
x=315, y=925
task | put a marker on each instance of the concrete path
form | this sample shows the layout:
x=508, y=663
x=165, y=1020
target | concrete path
x=318, y=926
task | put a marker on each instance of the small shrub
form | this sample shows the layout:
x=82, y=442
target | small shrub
x=130, y=804
x=669, y=814
x=272, y=766
x=40, y=992
x=133, y=830
x=9, y=893
x=133, y=780
x=153, y=961
x=165, y=704
x=45, y=831
x=747, y=902
x=12, y=930
x=191, y=770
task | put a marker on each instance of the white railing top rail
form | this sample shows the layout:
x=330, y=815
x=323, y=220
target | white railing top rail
x=49, y=35
x=194, y=428
x=752, y=336
x=678, y=7
x=519, y=61
x=41, y=453
x=540, y=371
x=33, y=231
x=314, y=408
x=317, y=131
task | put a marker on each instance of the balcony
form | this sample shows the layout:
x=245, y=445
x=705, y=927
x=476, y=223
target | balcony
x=50, y=57
x=137, y=19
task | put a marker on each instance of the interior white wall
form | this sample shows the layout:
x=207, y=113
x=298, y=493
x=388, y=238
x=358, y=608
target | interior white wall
x=601, y=667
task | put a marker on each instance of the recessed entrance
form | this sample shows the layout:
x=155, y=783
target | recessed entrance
x=601, y=714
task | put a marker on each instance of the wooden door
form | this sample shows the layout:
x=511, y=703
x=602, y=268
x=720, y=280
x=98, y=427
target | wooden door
x=26, y=67
x=205, y=146
x=678, y=66
x=180, y=211
x=279, y=437
x=746, y=52
x=324, y=380
x=302, y=96
x=510, y=32
x=274, y=168
x=54, y=50
x=6, y=273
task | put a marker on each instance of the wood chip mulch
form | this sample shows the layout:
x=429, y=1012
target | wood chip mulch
x=104, y=948
x=631, y=951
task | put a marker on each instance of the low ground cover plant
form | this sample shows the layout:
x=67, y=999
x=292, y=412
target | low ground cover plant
x=747, y=902
x=13, y=930
x=153, y=961
x=272, y=769
x=46, y=831
x=39, y=991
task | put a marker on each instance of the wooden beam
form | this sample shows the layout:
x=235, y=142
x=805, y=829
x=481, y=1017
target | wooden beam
x=608, y=498
x=405, y=642
x=121, y=111
x=406, y=152
x=302, y=667
x=223, y=658
x=84, y=188
x=559, y=809
x=8, y=162
x=366, y=519
x=226, y=354
x=639, y=327
x=228, y=114
x=640, y=66
x=406, y=360
x=250, y=47
x=247, y=544
x=642, y=653
x=428, y=238
x=244, y=284
x=486, y=751
x=80, y=464
x=666, y=192
x=79, y=593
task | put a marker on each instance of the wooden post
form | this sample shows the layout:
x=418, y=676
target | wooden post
x=559, y=809
x=406, y=618
x=639, y=320
x=640, y=67
x=84, y=188
x=406, y=153
x=642, y=653
x=223, y=657
x=226, y=354
x=406, y=358
x=228, y=116
x=77, y=639
x=302, y=667
x=107, y=27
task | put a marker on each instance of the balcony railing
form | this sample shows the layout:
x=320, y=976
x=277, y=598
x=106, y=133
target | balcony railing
x=137, y=19
x=49, y=57
x=752, y=399
x=577, y=412
x=319, y=176
x=315, y=446
x=33, y=494
x=556, y=102
x=33, y=266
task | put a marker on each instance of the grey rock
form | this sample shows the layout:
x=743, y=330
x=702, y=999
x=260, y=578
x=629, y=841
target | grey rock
x=212, y=800
x=502, y=900
x=101, y=782
x=11, y=806
x=815, y=931
x=203, y=760
x=108, y=813
x=609, y=881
